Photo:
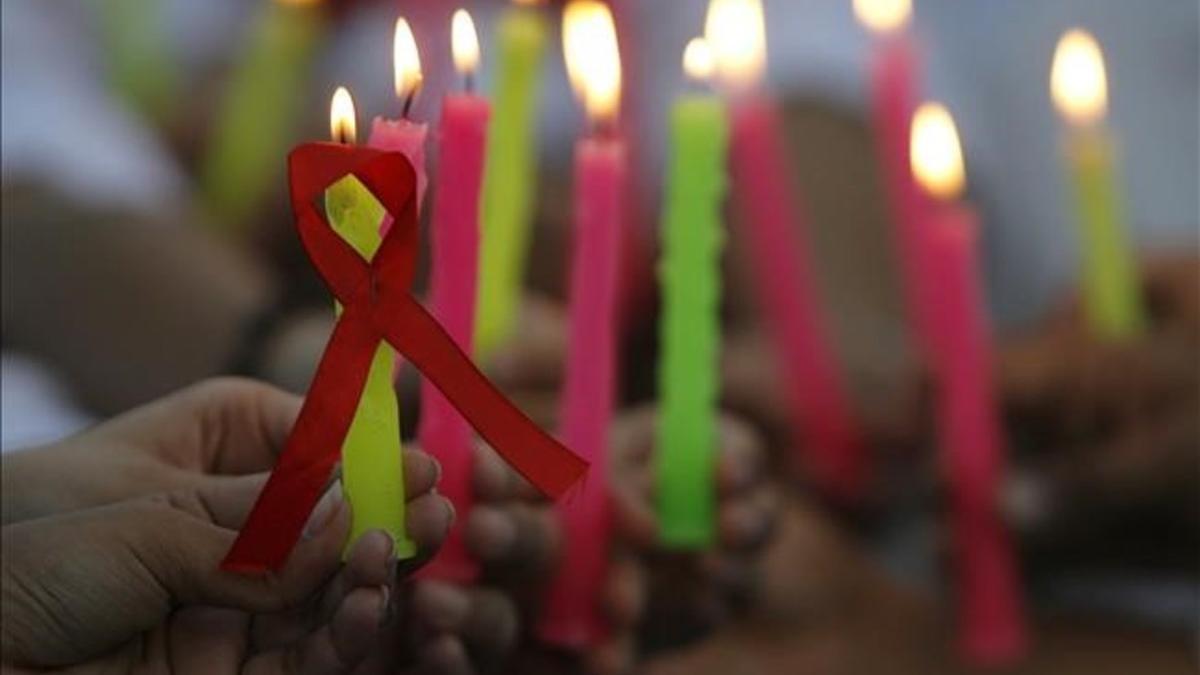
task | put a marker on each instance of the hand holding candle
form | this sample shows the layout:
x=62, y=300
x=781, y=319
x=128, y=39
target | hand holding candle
x=462, y=136
x=992, y=627
x=1079, y=87
x=571, y=616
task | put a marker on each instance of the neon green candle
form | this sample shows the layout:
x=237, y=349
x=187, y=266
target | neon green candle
x=139, y=64
x=511, y=165
x=256, y=120
x=1110, y=286
x=372, y=463
x=690, y=330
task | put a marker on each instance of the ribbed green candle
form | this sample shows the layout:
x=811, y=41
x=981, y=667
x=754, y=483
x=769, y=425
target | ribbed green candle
x=511, y=165
x=257, y=116
x=372, y=464
x=690, y=329
x=1110, y=284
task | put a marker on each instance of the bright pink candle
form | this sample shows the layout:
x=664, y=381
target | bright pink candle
x=571, y=616
x=894, y=87
x=775, y=222
x=991, y=619
x=462, y=137
x=407, y=137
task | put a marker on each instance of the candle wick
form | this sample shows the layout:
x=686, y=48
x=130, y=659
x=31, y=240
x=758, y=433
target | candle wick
x=408, y=102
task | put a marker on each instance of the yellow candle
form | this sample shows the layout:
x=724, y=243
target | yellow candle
x=1079, y=88
x=509, y=175
x=372, y=463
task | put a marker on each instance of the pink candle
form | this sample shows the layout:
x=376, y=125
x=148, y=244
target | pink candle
x=404, y=135
x=775, y=227
x=895, y=82
x=462, y=137
x=992, y=627
x=571, y=616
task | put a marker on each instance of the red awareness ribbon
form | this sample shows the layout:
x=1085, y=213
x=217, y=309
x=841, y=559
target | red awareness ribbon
x=377, y=306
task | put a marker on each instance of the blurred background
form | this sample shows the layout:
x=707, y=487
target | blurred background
x=132, y=266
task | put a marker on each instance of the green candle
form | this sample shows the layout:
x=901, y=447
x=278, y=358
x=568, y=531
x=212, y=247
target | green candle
x=1110, y=285
x=511, y=165
x=690, y=279
x=256, y=120
x=372, y=464
x=139, y=64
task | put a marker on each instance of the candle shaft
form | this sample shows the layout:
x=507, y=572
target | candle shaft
x=372, y=463
x=257, y=116
x=139, y=63
x=690, y=278
x=780, y=267
x=894, y=85
x=992, y=628
x=455, y=242
x=1110, y=283
x=572, y=616
x=509, y=177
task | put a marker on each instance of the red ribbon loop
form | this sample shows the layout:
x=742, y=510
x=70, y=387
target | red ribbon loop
x=377, y=306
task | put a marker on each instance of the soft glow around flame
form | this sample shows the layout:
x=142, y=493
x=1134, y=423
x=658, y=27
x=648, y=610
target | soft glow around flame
x=343, y=125
x=1078, y=83
x=698, y=60
x=737, y=33
x=936, y=154
x=593, y=60
x=406, y=62
x=883, y=16
x=464, y=42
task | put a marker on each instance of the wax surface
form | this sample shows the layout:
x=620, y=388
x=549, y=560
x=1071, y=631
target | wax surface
x=139, y=64
x=894, y=92
x=1110, y=283
x=691, y=285
x=443, y=432
x=775, y=229
x=257, y=116
x=572, y=616
x=991, y=621
x=408, y=138
x=372, y=463
x=509, y=178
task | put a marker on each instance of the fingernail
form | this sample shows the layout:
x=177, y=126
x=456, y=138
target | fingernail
x=437, y=470
x=325, y=513
x=385, y=605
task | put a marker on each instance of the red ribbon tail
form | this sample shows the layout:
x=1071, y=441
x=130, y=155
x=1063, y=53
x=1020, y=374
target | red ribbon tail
x=537, y=456
x=311, y=452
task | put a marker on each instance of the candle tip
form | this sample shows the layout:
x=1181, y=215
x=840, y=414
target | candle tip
x=1078, y=82
x=342, y=122
x=935, y=152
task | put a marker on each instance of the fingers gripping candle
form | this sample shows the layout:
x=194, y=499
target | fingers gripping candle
x=462, y=135
x=372, y=464
x=571, y=616
x=690, y=278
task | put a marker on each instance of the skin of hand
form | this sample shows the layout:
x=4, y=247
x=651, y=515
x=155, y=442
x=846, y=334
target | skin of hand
x=520, y=553
x=1109, y=430
x=112, y=540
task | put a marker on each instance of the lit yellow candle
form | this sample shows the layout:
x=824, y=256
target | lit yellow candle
x=1079, y=87
x=372, y=463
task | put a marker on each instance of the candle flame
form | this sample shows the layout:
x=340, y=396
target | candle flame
x=1078, y=83
x=737, y=33
x=406, y=61
x=883, y=16
x=342, y=119
x=464, y=42
x=936, y=153
x=698, y=61
x=593, y=59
